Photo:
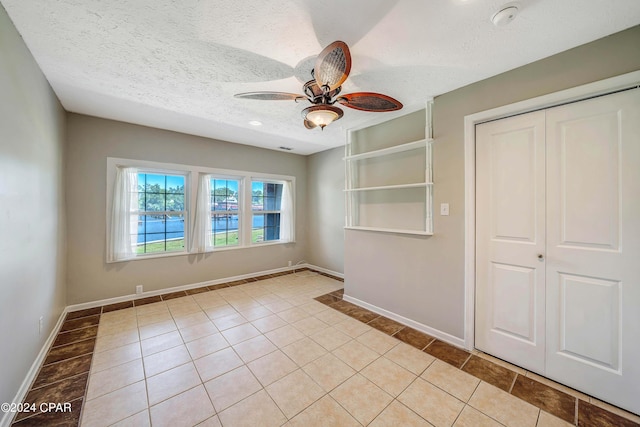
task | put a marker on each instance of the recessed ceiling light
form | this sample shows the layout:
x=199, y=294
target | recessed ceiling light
x=255, y=123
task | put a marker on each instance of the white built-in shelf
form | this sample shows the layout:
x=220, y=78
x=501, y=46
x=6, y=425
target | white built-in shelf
x=390, y=230
x=391, y=187
x=376, y=200
x=390, y=150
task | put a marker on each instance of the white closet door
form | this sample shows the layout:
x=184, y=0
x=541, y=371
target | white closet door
x=510, y=224
x=593, y=247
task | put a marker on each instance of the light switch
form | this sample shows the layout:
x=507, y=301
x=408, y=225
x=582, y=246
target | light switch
x=444, y=209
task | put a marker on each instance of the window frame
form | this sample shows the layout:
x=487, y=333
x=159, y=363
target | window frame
x=151, y=168
x=191, y=186
x=184, y=212
x=239, y=211
x=263, y=212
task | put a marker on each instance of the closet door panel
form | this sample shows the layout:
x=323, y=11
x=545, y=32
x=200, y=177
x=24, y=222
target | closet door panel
x=510, y=194
x=585, y=176
x=593, y=247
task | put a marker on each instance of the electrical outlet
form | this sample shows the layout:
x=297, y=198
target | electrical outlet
x=444, y=209
x=138, y=289
x=40, y=325
x=290, y=263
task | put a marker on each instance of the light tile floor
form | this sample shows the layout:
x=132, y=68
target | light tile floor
x=267, y=354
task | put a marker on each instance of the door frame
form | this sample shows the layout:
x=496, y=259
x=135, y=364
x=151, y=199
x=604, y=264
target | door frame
x=578, y=93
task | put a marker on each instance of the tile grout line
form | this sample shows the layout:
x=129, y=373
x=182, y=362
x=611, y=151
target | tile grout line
x=101, y=311
x=81, y=398
x=465, y=362
x=512, y=384
x=263, y=388
x=61, y=379
x=86, y=387
x=144, y=371
x=291, y=296
x=514, y=379
x=461, y=411
x=538, y=416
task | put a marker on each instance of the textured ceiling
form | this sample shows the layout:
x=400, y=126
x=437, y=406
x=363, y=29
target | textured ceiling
x=176, y=64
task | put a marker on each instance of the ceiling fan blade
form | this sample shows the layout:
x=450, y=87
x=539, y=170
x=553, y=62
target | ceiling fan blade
x=333, y=65
x=309, y=124
x=369, y=101
x=271, y=96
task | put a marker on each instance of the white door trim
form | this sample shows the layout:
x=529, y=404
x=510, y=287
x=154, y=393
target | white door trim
x=601, y=87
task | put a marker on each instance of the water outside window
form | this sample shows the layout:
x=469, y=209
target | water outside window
x=161, y=216
x=161, y=205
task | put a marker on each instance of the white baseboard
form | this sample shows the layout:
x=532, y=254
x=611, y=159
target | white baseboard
x=443, y=336
x=35, y=367
x=131, y=297
x=33, y=371
x=321, y=269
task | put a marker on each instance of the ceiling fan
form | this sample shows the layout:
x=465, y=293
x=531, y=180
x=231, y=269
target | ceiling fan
x=331, y=69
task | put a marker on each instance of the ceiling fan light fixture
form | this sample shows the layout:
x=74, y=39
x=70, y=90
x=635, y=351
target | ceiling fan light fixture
x=331, y=69
x=322, y=115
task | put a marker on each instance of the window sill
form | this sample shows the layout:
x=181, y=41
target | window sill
x=151, y=256
x=183, y=253
x=252, y=245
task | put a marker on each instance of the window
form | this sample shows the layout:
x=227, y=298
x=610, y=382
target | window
x=225, y=212
x=266, y=202
x=147, y=212
x=161, y=213
x=157, y=209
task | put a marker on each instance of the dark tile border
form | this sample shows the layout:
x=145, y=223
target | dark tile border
x=558, y=403
x=67, y=364
x=83, y=313
x=414, y=338
x=75, y=335
x=197, y=290
x=489, y=372
x=328, y=299
x=64, y=374
x=66, y=390
x=68, y=351
x=57, y=371
x=65, y=370
x=117, y=306
x=385, y=325
x=216, y=287
x=81, y=322
x=54, y=418
x=237, y=283
x=451, y=354
x=147, y=300
x=544, y=397
x=590, y=415
x=173, y=295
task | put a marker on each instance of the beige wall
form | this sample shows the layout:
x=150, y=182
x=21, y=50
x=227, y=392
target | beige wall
x=423, y=278
x=32, y=247
x=91, y=140
x=325, y=182
x=416, y=277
